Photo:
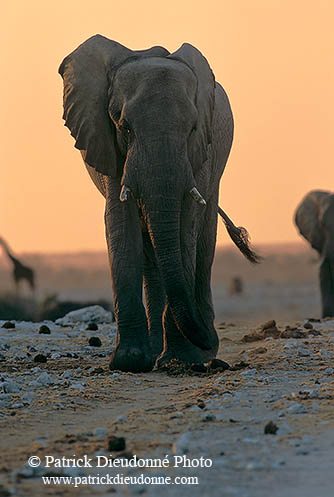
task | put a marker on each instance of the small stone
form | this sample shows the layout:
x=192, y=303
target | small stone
x=40, y=358
x=270, y=428
x=92, y=326
x=8, y=325
x=44, y=330
x=296, y=408
x=181, y=446
x=122, y=419
x=116, y=443
x=95, y=342
x=308, y=326
x=269, y=324
x=250, y=372
x=100, y=432
x=207, y=418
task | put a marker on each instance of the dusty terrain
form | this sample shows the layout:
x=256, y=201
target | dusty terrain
x=71, y=404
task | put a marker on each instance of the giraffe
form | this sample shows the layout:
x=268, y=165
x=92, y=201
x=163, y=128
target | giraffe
x=20, y=271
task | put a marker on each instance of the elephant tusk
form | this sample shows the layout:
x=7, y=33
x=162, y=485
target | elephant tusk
x=197, y=196
x=124, y=195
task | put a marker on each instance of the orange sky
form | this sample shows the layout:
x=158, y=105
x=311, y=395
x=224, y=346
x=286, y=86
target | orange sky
x=274, y=58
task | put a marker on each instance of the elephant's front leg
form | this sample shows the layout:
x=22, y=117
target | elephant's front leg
x=125, y=248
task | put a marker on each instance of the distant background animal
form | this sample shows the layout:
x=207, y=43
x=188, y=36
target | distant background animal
x=236, y=286
x=314, y=218
x=21, y=272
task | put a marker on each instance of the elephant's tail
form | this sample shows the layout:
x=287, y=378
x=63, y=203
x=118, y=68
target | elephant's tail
x=240, y=238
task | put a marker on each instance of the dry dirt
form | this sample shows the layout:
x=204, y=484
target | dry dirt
x=217, y=415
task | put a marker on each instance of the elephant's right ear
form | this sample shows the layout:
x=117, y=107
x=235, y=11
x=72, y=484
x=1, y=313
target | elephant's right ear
x=85, y=72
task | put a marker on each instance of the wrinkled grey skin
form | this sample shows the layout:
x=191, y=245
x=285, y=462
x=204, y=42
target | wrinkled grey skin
x=160, y=125
x=314, y=218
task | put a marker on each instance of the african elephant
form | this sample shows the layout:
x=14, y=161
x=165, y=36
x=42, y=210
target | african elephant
x=155, y=131
x=314, y=219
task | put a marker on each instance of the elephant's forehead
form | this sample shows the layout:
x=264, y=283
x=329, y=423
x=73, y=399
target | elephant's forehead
x=155, y=71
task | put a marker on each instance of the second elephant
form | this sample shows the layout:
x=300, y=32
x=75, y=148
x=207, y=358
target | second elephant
x=314, y=218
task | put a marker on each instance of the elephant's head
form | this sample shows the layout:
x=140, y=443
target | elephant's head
x=145, y=117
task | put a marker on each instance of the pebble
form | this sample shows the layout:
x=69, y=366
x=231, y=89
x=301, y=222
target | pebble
x=92, y=326
x=249, y=372
x=9, y=386
x=181, y=446
x=271, y=428
x=45, y=379
x=8, y=325
x=100, y=432
x=95, y=342
x=40, y=358
x=122, y=419
x=67, y=374
x=296, y=408
x=44, y=330
x=116, y=443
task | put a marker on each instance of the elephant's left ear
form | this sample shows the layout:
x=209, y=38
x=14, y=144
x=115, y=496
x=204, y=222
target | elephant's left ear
x=205, y=101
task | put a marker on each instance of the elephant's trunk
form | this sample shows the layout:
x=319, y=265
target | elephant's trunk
x=164, y=228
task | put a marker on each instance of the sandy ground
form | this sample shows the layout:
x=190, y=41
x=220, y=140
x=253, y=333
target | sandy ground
x=71, y=404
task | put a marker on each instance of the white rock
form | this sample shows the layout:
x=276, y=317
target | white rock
x=9, y=387
x=296, y=408
x=329, y=370
x=250, y=372
x=67, y=374
x=181, y=446
x=77, y=386
x=122, y=419
x=27, y=398
x=100, y=432
x=93, y=313
x=45, y=379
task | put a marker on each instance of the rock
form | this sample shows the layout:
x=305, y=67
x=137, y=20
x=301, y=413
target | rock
x=250, y=372
x=9, y=387
x=308, y=326
x=92, y=326
x=40, y=358
x=296, y=408
x=78, y=386
x=8, y=325
x=218, y=364
x=208, y=418
x=116, y=443
x=269, y=324
x=270, y=428
x=95, y=342
x=100, y=432
x=292, y=333
x=303, y=353
x=122, y=419
x=45, y=379
x=67, y=374
x=44, y=330
x=181, y=446
x=94, y=313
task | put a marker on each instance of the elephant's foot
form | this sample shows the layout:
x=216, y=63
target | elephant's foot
x=188, y=356
x=132, y=358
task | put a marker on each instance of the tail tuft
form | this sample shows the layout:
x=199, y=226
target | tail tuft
x=240, y=238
